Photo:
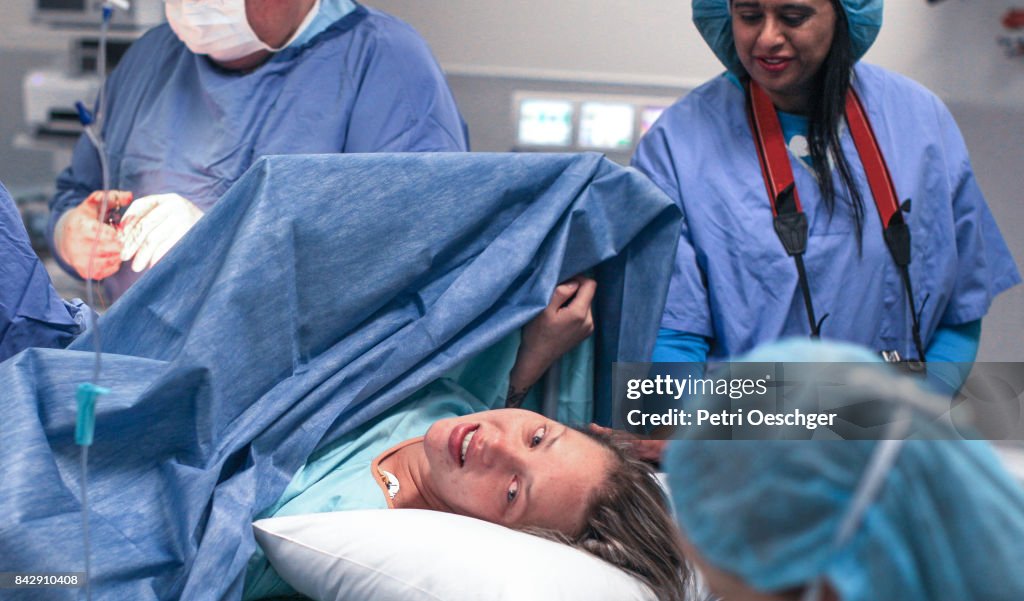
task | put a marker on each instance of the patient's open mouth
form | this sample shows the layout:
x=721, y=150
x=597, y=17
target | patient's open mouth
x=465, y=445
x=458, y=442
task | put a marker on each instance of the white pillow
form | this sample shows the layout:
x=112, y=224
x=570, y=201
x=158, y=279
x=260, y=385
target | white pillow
x=412, y=554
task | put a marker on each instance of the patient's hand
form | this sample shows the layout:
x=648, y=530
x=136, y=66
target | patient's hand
x=565, y=322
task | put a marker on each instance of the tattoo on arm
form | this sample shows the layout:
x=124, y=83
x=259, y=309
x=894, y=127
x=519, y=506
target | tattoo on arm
x=515, y=396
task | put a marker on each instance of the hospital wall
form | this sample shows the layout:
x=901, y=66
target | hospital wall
x=25, y=165
x=493, y=48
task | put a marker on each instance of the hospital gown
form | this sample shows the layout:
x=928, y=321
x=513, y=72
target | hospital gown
x=340, y=478
x=734, y=283
x=176, y=122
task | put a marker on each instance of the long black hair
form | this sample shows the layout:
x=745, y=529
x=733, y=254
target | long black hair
x=826, y=111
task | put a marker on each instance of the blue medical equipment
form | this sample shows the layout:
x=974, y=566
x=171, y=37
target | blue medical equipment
x=88, y=392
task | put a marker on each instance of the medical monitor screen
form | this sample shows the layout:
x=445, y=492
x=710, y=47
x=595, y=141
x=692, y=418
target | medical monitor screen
x=648, y=115
x=545, y=122
x=608, y=126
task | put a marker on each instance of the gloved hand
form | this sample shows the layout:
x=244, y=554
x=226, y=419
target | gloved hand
x=152, y=225
x=82, y=232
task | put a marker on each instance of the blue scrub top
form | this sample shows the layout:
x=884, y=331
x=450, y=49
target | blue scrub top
x=176, y=122
x=733, y=282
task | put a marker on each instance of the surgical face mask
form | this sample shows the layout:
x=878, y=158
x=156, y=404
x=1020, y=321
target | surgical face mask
x=216, y=28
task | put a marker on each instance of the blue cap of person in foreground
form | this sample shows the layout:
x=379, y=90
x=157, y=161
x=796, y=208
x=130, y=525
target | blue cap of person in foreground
x=761, y=518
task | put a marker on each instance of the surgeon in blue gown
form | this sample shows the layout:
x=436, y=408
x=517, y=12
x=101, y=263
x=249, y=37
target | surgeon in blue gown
x=734, y=286
x=195, y=102
x=31, y=311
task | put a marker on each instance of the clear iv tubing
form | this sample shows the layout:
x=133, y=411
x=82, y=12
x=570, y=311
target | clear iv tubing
x=93, y=131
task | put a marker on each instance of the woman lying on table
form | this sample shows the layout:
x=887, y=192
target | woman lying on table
x=508, y=466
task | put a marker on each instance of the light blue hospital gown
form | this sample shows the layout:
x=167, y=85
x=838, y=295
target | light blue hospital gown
x=734, y=283
x=338, y=477
x=176, y=122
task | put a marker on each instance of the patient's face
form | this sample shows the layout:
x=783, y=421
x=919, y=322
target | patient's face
x=519, y=468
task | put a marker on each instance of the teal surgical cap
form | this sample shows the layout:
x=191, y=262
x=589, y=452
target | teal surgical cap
x=715, y=25
x=946, y=523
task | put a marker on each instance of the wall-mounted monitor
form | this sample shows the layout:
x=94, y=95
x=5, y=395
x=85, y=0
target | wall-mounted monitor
x=606, y=125
x=648, y=115
x=558, y=121
x=545, y=122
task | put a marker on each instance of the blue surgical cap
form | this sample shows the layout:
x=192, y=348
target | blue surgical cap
x=715, y=25
x=947, y=523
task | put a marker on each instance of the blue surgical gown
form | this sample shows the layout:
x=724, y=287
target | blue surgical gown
x=176, y=122
x=227, y=373
x=733, y=282
x=32, y=314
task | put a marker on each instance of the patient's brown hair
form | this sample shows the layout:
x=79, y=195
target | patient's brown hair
x=628, y=524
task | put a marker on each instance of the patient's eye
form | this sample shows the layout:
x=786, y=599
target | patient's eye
x=513, y=491
x=538, y=436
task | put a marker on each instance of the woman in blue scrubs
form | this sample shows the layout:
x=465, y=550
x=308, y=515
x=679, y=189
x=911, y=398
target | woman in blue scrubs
x=734, y=285
x=195, y=102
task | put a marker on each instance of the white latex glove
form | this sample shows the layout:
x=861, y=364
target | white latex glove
x=152, y=225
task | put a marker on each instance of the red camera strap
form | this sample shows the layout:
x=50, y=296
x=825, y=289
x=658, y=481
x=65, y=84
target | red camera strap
x=771, y=146
x=877, y=172
x=789, y=219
